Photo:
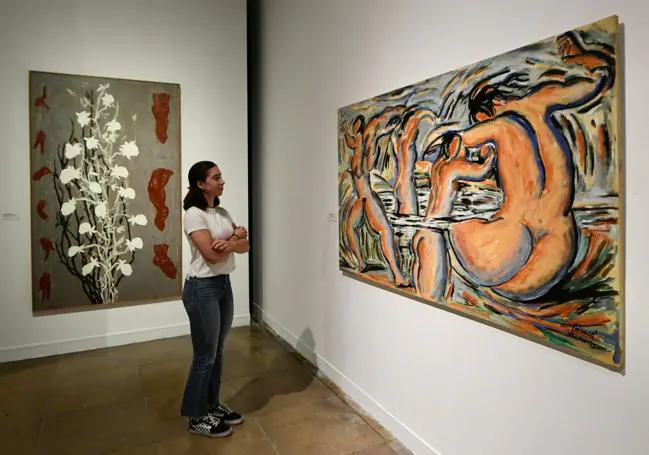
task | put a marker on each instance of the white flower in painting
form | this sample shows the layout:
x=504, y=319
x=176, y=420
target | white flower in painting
x=129, y=149
x=119, y=172
x=100, y=209
x=69, y=207
x=107, y=100
x=127, y=193
x=138, y=219
x=89, y=267
x=83, y=118
x=68, y=174
x=135, y=244
x=86, y=228
x=73, y=150
x=74, y=250
x=91, y=142
x=113, y=126
x=110, y=137
x=125, y=268
x=95, y=187
x=102, y=193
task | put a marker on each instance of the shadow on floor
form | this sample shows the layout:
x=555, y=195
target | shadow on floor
x=257, y=393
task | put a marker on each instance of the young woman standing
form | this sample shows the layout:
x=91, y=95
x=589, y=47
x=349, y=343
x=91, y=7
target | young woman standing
x=207, y=297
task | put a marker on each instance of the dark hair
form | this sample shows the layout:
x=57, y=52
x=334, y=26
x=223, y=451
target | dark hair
x=447, y=140
x=482, y=97
x=195, y=196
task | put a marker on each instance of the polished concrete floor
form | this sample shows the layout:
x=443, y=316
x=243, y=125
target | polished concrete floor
x=125, y=400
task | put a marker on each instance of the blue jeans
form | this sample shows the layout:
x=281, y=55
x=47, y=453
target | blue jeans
x=210, y=306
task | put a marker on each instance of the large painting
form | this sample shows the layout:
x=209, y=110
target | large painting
x=105, y=192
x=495, y=191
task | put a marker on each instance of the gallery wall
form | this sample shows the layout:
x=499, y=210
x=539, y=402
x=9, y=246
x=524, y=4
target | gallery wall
x=441, y=383
x=199, y=44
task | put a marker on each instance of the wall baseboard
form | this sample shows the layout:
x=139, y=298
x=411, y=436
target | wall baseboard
x=374, y=409
x=31, y=351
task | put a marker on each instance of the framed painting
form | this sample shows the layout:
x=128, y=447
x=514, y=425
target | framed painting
x=105, y=192
x=496, y=191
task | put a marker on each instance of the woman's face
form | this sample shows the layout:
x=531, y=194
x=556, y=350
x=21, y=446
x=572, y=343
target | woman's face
x=213, y=184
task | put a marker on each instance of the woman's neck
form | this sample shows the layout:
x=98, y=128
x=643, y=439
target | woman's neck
x=210, y=200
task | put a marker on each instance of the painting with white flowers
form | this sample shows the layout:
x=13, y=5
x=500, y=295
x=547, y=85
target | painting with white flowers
x=105, y=192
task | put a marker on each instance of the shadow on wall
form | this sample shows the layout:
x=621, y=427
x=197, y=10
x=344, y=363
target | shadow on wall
x=278, y=381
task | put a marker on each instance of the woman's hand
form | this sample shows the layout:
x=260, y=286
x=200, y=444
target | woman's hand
x=221, y=246
x=241, y=232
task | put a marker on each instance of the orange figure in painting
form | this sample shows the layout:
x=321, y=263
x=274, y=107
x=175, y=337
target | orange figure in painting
x=366, y=204
x=404, y=145
x=529, y=245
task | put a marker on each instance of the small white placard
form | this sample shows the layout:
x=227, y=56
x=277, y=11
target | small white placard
x=7, y=216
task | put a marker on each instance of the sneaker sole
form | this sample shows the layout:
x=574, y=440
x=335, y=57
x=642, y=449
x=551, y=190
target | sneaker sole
x=212, y=435
x=234, y=422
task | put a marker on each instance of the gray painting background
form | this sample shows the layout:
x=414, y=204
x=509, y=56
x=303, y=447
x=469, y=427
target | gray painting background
x=147, y=283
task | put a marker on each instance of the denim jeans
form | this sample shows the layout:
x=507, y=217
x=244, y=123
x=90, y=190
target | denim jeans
x=209, y=305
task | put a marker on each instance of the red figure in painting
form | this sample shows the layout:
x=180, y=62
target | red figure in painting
x=40, y=209
x=40, y=101
x=160, y=112
x=39, y=174
x=47, y=246
x=40, y=141
x=45, y=286
x=162, y=260
x=157, y=195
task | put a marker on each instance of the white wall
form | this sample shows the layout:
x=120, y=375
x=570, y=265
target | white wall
x=442, y=383
x=200, y=44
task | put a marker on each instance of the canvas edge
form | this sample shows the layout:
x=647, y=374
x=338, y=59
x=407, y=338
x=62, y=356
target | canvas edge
x=620, y=104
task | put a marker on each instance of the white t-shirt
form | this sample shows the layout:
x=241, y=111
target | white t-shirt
x=218, y=221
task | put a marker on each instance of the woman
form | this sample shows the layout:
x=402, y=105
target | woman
x=207, y=297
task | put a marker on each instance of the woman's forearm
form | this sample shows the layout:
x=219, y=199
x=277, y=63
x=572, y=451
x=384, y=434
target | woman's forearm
x=239, y=245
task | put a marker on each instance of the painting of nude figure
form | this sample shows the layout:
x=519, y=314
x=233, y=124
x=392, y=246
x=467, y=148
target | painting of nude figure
x=495, y=191
x=105, y=192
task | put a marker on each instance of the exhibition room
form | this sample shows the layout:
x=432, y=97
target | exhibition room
x=299, y=227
